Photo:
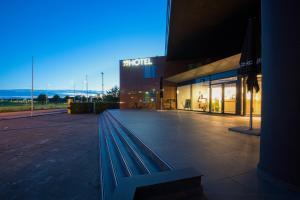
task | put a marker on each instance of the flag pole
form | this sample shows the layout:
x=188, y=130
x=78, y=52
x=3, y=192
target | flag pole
x=87, y=87
x=31, y=113
x=102, y=92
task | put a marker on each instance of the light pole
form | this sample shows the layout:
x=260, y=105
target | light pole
x=102, y=92
x=74, y=90
x=47, y=87
x=31, y=113
x=87, y=87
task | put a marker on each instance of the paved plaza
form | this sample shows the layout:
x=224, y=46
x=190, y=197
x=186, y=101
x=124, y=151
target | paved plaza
x=56, y=156
x=228, y=160
x=49, y=157
x=24, y=114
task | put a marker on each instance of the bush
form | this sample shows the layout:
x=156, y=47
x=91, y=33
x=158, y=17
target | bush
x=55, y=99
x=81, y=108
x=102, y=106
x=42, y=98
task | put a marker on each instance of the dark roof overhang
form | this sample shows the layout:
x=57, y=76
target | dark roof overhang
x=223, y=65
x=207, y=30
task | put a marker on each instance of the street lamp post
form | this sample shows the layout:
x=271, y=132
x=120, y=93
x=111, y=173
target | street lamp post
x=74, y=90
x=102, y=92
x=32, y=90
x=47, y=88
x=87, y=87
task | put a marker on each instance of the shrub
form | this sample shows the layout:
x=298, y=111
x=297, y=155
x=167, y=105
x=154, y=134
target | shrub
x=42, y=98
x=102, y=106
x=81, y=108
x=56, y=99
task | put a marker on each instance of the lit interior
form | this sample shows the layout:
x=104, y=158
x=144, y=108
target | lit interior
x=200, y=96
x=183, y=95
x=216, y=98
x=256, y=99
x=230, y=98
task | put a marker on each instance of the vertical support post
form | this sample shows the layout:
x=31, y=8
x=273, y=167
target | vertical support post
x=87, y=88
x=47, y=94
x=191, y=96
x=238, y=105
x=223, y=98
x=244, y=97
x=32, y=89
x=102, y=92
x=210, y=95
x=279, y=141
x=74, y=91
x=251, y=111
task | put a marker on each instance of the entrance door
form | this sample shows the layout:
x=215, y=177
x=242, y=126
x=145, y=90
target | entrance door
x=223, y=98
x=230, y=98
x=216, y=98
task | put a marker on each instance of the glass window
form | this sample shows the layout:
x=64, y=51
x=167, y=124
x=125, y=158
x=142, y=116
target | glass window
x=230, y=98
x=216, y=98
x=184, y=97
x=200, y=96
x=149, y=71
x=224, y=80
x=149, y=96
x=256, y=99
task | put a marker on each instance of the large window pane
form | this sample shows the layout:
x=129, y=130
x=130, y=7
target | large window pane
x=200, y=96
x=230, y=98
x=216, y=98
x=149, y=71
x=184, y=97
x=256, y=99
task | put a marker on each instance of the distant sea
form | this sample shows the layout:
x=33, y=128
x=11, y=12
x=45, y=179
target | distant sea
x=26, y=93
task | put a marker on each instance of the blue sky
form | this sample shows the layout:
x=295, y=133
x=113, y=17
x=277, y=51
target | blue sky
x=73, y=38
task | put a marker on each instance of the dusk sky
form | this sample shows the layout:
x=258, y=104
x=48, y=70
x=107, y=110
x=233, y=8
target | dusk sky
x=73, y=38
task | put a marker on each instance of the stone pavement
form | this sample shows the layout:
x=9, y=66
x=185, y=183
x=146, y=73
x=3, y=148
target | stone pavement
x=49, y=157
x=227, y=159
x=22, y=114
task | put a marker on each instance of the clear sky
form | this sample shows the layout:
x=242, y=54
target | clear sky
x=70, y=39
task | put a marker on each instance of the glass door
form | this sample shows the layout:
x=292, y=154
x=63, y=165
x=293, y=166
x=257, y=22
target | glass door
x=216, y=98
x=230, y=98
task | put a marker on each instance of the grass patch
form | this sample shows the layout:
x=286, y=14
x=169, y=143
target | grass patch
x=19, y=106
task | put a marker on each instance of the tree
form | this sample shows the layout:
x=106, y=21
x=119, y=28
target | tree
x=56, y=99
x=112, y=95
x=77, y=98
x=83, y=98
x=66, y=98
x=42, y=98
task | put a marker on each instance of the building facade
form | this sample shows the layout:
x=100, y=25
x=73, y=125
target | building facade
x=212, y=33
x=140, y=82
x=200, y=74
x=217, y=87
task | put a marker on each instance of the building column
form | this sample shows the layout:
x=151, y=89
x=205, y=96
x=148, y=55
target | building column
x=280, y=133
x=238, y=105
x=210, y=95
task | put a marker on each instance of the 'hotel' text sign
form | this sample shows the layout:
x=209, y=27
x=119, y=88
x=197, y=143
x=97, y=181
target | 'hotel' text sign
x=137, y=62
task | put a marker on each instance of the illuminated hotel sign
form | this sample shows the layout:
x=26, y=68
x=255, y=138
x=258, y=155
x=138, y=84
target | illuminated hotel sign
x=137, y=62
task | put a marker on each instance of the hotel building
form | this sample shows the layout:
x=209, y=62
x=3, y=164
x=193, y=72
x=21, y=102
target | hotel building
x=201, y=70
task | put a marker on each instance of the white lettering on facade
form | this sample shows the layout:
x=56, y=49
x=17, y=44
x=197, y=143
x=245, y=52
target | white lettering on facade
x=137, y=62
